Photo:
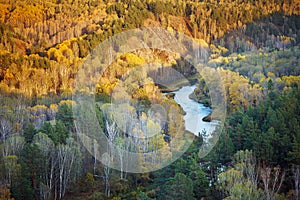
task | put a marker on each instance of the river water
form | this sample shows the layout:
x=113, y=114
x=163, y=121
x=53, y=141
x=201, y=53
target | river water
x=194, y=112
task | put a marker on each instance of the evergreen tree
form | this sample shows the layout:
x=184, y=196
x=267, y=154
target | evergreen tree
x=29, y=132
x=178, y=187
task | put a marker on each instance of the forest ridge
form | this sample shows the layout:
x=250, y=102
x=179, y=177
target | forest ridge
x=54, y=36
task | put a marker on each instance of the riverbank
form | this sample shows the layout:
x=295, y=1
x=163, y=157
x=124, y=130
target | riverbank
x=179, y=84
x=201, y=99
x=197, y=117
x=191, y=81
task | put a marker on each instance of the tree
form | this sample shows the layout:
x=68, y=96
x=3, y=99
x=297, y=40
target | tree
x=57, y=133
x=5, y=128
x=61, y=131
x=47, y=148
x=13, y=145
x=65, y=115
x=272, y=181
x=198, y=177
x=12, y=168
x=29, y=132
x=295, y=158
x=27, y=186
x=296, y=173
x=5, y=193
x=142, y=196
x=240, y=181
x=69, y=159
x=178, y=187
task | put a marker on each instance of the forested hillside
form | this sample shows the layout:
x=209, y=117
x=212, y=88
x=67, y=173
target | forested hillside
x=253, y=46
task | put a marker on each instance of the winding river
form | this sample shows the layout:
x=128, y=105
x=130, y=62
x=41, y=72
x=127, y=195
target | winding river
x=194, y=112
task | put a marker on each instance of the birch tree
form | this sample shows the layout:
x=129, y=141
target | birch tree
x=47, y=148
x=240, y=182
x=5, y=128
x=272, y=181
x=13, y=145
x=68, y=156
x=296, y=173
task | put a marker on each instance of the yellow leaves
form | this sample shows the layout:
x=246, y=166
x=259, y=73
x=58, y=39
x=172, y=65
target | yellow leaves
x=153, y=128
x=3, y=87
x=225, y=61
x=4, y=10
x=67, y=102
x=26, y=15
x=62, y=52
x=39, y=107
x=170, y=29
x=106, y=85
x=223, y=49
x=152, y=91
x=271, y=75
x=5, y=193
x=216, y=50
x=128, y=75
x=3, y=51
x=290, y=80
x=262, y=80
x=240, y=57
x=89, y=178
x=239, y=91
x=133, y=59
x=92, y=28
x=157, y=142
x=54, y=54
x=286, y=39
x=278, y=80
x=8, y=75
x=202, y=42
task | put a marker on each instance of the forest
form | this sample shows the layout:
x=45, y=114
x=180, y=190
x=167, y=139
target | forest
x=254, y=48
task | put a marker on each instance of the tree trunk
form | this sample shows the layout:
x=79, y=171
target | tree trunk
x=297, y=177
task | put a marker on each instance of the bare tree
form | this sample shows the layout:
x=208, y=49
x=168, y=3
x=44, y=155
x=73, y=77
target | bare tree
x=112, y=133
x=13, y=145
x=68, y=158
x=272, y=180
x=5, y=128
x=47, y=148
x=296, y=172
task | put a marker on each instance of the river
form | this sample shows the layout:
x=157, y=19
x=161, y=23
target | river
x=194, y=112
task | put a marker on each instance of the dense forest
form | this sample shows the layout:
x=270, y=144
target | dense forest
x=253, y=46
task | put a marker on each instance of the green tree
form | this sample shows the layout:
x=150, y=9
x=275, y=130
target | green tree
x=29, y=132
x=65, y=115
x=58, y=133
x=27, y=187
x=240, y=181
x=61, y=132
x=178, y=187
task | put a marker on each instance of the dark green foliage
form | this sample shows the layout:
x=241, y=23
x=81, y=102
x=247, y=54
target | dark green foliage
x=57, y=133
x=269, y=130
x=27, y=187
x=22, y=189
x=29, y=132
x=178, y=187
x=189, y=170
x=100, y=117
x=65, y=115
